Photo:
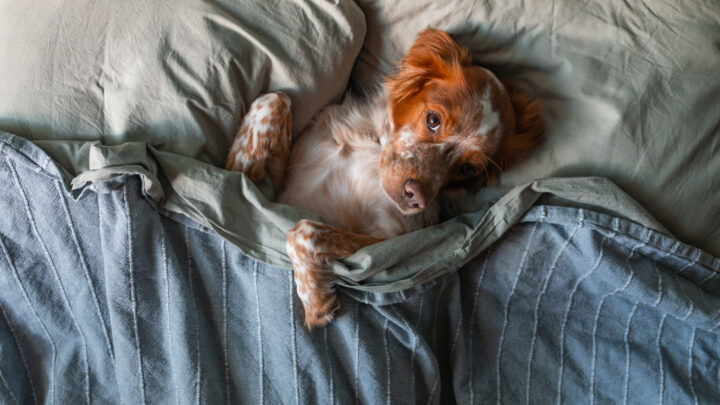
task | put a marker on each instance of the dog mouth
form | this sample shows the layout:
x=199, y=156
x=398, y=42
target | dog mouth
x=407, y=210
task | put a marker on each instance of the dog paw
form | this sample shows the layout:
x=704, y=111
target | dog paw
x=311, y=245
x=263, y=135
x=320, y=310
x=313, y=278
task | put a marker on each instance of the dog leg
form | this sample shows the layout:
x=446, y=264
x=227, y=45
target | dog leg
x=263, y=141
x=311, y=245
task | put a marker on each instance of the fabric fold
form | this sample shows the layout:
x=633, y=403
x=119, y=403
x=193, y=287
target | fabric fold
x=243, y=213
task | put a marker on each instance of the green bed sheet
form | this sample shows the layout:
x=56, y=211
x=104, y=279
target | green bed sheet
x=630, y=90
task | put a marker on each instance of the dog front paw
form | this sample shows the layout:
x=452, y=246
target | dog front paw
x=313, y=278
x=264, y=134
x=311, y=245
x=319, y=306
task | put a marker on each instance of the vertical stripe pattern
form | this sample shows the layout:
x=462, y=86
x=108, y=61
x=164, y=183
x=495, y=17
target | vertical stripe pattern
x=56, y=276
x=388, y=371
x=86, y=270
x=193, y=300
x=356, y=334
x=506, y=306
x=536, y=310
x=293, y=338
x=471, y=328
x=331, y=384
x=226, y=360
x=596, y=319
x=108, y=299
x=22, y=356
x=168, y=306
x=261, y=349
x=53, y=346
x=133, y=300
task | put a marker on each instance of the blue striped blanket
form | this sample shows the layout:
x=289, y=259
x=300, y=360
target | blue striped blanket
x=106, y=299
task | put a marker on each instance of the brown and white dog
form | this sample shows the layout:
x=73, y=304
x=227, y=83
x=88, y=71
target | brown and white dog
x=373, y=168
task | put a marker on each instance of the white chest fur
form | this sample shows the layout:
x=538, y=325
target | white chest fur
x=333, y=171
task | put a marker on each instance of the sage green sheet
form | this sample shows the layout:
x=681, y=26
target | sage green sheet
x=243, y=213
x=630, y=89
x=157, y=90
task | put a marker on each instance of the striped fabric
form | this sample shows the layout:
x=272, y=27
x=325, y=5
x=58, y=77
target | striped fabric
x=106, y=300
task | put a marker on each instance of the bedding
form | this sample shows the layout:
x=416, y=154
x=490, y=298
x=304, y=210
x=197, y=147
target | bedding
x=135, y=269
x=630, y=90
x=177, y=75
x=105, y=299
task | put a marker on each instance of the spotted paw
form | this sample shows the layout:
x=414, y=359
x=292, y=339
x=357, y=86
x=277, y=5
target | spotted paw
x=263, y=140
x=313, y=278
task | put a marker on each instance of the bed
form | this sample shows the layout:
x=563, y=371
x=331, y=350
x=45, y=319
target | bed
x=134, y=269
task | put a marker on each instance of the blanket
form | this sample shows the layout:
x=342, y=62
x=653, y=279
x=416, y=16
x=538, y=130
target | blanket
x=107, y=298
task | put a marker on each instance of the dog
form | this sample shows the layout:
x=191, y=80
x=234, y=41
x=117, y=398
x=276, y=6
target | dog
x=373, y=168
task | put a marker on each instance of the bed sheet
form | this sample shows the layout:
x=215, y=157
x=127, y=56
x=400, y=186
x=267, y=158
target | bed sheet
x=629, y=90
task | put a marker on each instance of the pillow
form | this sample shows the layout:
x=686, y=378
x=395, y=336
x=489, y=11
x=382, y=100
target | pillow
x=176, y=74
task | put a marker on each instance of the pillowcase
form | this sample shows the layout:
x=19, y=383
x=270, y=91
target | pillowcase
x=176, y=74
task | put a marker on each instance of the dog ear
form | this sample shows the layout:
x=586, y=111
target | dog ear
x=434, y=50
x=527, y=135
x=433, y=55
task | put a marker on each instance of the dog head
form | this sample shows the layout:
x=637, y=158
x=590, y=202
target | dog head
x=455, y=125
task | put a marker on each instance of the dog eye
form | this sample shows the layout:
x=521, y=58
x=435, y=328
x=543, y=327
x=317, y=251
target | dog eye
x=467, y=170
x=433, y=121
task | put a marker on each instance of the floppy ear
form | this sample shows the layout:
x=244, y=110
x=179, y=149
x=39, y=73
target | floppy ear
x=527, y=135
x=433, y=55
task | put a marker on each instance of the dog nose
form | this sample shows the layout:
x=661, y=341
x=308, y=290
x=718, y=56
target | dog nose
x=414, y=197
